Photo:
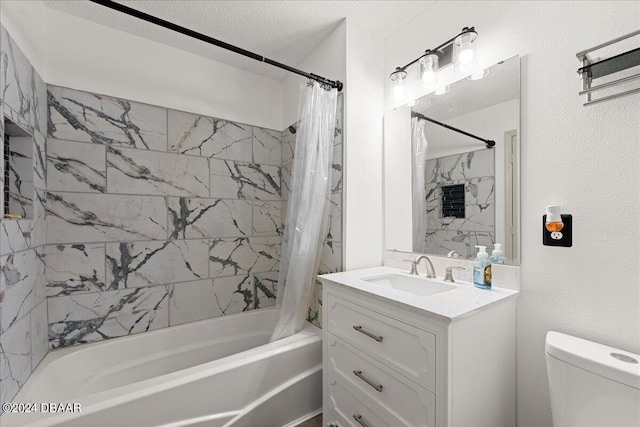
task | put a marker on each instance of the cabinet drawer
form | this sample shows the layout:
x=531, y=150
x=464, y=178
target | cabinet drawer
x=403, y=399
x=351, y=411
x=408, y=350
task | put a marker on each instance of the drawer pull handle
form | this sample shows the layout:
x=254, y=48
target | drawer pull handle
x=367, y=333
x=358, y=374
x=358, y=418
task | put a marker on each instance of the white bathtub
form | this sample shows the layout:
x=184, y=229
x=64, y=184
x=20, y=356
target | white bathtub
x=219, y=372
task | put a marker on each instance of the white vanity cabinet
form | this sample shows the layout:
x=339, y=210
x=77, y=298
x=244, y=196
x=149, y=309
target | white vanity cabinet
x=391, y=364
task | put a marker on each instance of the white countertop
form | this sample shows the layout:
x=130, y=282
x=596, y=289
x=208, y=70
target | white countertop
x=459, y=302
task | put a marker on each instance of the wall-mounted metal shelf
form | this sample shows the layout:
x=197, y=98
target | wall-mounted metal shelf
x=595, y=69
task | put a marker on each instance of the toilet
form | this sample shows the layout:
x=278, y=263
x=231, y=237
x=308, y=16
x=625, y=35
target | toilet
x=591, y=384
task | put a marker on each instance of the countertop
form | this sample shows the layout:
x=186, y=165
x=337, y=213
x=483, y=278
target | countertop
x=452, y=304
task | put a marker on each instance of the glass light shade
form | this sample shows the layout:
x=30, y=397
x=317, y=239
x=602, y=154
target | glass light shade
x=442, y=90
x=480, y=74
x=428, y=71
x=413, y=102
x=465, y=52
x=398, y=86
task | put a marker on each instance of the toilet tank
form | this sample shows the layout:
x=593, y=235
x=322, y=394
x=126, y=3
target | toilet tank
x=591, y=384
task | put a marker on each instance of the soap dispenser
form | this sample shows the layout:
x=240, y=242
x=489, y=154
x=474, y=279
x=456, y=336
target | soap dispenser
x=497, y=255
x=482, y=269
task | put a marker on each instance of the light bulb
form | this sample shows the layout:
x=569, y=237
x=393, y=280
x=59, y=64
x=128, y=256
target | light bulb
x=428, y=71
x=465, y=56
x=398, y=84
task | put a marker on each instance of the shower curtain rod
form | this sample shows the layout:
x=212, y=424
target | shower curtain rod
x=182, y=30
x=488, y=142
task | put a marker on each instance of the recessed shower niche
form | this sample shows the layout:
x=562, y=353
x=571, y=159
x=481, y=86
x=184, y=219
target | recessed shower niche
x=18, y=190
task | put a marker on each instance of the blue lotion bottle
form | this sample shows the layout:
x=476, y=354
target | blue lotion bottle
x=482, y=269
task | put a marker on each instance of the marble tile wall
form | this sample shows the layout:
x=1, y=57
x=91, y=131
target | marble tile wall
x=331, y=254
x=475, y=170
x=23, y=307
x=155, y=217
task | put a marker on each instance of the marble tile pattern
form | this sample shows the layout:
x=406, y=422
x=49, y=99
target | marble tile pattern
x=142, y=172
x=76, y=268
x=474, y=170
x=139, y=264
x=74, y=166
x=176, y=208
x=87, y=117
x=89, y=317
x=23, y=306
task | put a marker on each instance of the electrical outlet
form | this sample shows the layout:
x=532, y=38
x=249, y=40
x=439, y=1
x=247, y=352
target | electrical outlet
x=558, y=238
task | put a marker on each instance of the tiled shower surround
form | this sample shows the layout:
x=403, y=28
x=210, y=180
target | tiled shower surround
x=475, y=170
x=23, y=307
x=154, y=218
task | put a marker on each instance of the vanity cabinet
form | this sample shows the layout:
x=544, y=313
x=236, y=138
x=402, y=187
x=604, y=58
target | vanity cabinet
x=390, y=364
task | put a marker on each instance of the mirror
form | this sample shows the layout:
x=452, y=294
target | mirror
x=445, y=190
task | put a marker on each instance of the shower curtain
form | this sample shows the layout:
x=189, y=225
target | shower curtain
x=308, y=209
x=419, y=196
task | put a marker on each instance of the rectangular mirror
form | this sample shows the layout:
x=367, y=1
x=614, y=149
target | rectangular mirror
x=446, y=188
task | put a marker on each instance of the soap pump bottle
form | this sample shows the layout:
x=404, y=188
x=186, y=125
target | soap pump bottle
x=497, y=255
x=482, y=269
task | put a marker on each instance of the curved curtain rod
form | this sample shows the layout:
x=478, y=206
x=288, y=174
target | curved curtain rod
x=488, y=142
x=187, y=32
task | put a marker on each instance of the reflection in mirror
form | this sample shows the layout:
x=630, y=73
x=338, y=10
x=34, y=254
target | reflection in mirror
x=464, y=189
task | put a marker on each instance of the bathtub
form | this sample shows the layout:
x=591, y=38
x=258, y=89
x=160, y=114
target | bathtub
x=221, y=372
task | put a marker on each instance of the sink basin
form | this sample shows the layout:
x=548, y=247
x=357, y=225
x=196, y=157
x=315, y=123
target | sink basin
x=412, y=285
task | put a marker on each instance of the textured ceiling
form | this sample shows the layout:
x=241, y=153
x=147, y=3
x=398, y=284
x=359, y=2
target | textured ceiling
x=285, y=31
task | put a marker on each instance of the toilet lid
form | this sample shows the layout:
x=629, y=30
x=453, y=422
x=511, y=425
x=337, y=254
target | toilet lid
x=615, y=364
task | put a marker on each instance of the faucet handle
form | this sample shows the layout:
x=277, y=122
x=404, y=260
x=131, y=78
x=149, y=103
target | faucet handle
x=448, y=276
x=414, y=267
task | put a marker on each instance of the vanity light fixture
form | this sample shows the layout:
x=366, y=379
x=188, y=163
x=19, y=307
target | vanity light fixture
x=459, y=50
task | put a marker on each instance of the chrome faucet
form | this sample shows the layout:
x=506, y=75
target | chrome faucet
x=453, y=254
x=448, y=275
x=431, y=272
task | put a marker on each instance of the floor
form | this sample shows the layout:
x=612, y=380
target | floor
x=313, y=422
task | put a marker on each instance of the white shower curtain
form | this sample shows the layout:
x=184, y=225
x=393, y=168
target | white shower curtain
x=419, y=196
x=308, y=208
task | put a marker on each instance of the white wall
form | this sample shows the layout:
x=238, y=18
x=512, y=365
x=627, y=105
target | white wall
x=327, y=60
x=26, y=22
x=398, y=183
x=585, y=159
x=489, y=123
x=80, y=54
x=363, y=149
